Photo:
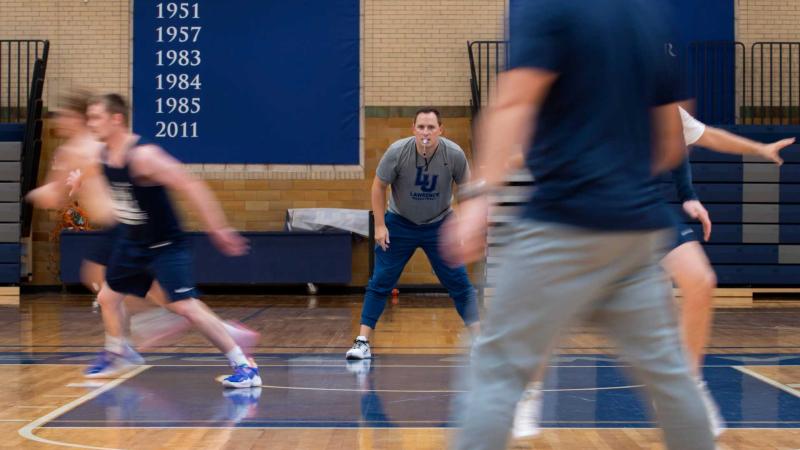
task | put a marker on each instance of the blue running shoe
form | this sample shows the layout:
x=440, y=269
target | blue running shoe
x=108, y=365
x=103, y=360
x=244, y=376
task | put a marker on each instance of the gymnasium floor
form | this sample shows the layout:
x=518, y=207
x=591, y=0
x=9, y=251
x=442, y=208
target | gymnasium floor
x=314, y=399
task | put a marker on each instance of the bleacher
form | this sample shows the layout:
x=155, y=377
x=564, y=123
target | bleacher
x=755, y=208
x=22, y=73
x=11, y=137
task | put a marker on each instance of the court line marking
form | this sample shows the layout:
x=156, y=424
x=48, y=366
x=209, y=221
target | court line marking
x=355, y=428
x=253, y=314
x=201, y=421
x=85, y=384
x=443, y=391
x=768, y=380
x=27, y=431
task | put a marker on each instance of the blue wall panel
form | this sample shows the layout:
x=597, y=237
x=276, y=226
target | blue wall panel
x=274, y=258
x=12, y=132
x=738, y=253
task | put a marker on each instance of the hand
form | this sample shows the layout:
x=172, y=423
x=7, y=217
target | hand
x=696, y=210
x=463, y=236
x=382, y=236
x=772, y=151
x=229, y=242
x=74, y=181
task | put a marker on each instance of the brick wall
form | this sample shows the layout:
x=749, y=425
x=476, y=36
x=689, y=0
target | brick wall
x=414, y=54
x=89, y=41
x=90, y=48
x=260, y=204
x=416, y=50
x=767, y=20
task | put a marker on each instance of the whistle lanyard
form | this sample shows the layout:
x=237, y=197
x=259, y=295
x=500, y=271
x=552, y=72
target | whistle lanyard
x=427, y=160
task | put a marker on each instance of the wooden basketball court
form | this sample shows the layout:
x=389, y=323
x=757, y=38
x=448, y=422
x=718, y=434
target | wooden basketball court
x=313, y=399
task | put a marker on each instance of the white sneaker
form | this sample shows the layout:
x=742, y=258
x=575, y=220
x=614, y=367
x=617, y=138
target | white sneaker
x=527, y=414
x=717, y=422
x=359, y=350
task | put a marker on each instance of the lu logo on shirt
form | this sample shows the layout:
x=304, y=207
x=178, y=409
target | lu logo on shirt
x=426, y=182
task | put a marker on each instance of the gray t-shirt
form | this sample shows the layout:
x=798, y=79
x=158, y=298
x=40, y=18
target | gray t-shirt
x=422, y=190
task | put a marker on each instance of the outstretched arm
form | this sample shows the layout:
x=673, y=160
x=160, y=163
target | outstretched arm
x=154, y=164
x=725, y=142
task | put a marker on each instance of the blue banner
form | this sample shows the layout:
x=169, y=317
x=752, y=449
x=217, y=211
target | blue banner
x=248, y=81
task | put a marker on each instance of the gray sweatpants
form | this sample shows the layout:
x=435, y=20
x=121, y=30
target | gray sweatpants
x=552, y=273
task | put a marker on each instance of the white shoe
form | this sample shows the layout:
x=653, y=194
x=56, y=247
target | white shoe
x=359, y=350
x=715, y=418
x=527, y=414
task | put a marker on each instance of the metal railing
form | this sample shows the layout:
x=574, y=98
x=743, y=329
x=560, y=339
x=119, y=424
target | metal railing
x=486, y=60
x=32, y=143
x=774, y=83
x=17, y=58
x=730, y=85
x=23, y=63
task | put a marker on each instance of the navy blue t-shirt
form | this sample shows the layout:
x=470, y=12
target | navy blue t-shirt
x=591, y=153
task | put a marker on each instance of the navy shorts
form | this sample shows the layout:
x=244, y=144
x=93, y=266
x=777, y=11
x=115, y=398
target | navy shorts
x=99, y=251
x=134, y=266
x=684, y=234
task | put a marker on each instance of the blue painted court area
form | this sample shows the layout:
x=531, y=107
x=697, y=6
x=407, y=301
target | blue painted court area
x=324, y=391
